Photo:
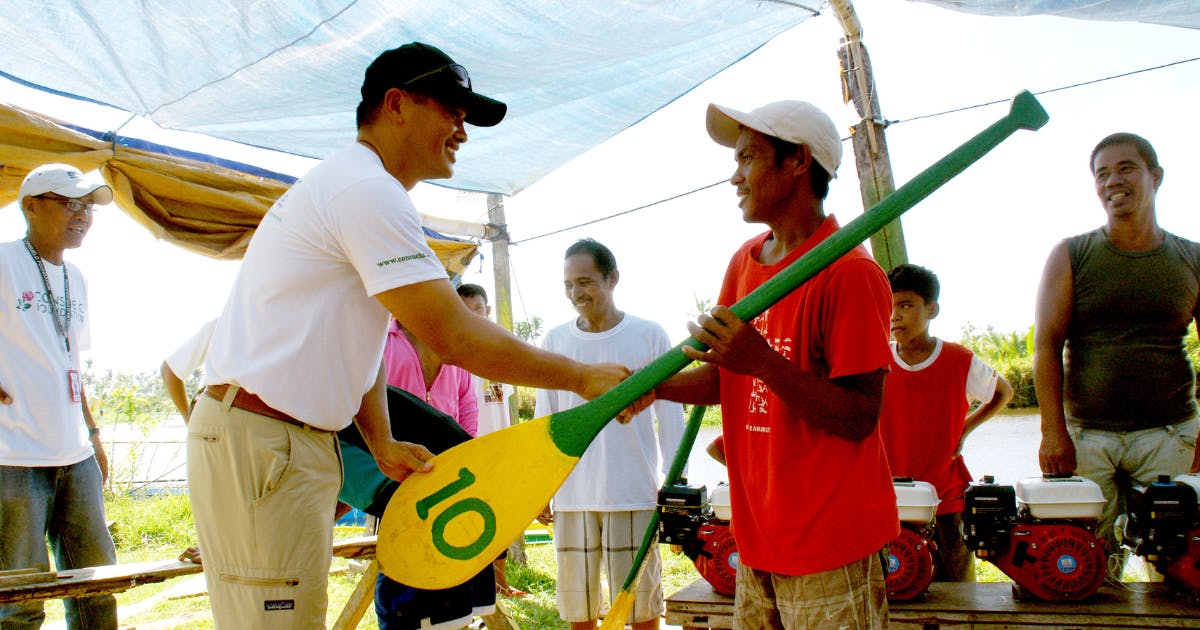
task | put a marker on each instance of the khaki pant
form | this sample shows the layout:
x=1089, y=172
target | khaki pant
x=1113, y=459
x=263, y=494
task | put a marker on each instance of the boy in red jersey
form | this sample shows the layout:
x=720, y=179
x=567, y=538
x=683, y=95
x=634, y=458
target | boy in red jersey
x=927, y=412
x=800, y=388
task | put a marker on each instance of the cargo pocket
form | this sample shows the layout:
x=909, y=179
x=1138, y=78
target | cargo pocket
x=243, y=580
x=270, y=444
x=266, y=594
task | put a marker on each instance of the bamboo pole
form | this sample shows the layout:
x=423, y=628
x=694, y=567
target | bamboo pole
x=498, y=235
x=870, y=147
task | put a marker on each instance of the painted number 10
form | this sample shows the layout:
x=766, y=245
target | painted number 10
x=456, y=509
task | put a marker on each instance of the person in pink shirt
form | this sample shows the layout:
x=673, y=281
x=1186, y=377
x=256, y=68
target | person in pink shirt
x=414, y=367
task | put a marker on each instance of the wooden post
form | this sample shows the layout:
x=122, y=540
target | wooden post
x=870, y=146
x=360, y=600
x=498, y=235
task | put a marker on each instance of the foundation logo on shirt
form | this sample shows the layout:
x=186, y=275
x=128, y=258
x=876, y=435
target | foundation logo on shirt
x=393, y=261
x=25, y=302
x=782, y=345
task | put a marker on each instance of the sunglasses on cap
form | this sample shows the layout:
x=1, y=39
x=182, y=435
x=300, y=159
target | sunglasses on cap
x=454, y=71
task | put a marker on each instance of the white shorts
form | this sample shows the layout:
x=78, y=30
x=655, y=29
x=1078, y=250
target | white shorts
x=586, y=541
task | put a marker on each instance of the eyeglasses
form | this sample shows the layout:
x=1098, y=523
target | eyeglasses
x=75, y=206
x=457, y=73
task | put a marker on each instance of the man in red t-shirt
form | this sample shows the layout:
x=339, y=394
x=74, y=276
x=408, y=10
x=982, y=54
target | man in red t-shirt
x=927, y=414
x=800, y=388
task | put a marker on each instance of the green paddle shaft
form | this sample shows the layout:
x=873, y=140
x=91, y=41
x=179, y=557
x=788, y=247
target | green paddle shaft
x=573, y=430
x=673, y=475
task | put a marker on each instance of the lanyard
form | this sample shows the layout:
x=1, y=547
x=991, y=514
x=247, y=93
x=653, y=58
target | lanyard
x=64, y=326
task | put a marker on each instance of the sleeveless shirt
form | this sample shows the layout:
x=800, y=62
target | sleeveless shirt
x=1126, y=367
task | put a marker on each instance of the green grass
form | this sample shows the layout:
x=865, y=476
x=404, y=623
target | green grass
x=712, y=416
x=151, y=523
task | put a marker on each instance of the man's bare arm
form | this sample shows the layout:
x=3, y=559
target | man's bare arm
x=94, y=436
x=1000, y=399
x=433, y=312
x=176, y=390
x=700, y=385
x=1051, y=317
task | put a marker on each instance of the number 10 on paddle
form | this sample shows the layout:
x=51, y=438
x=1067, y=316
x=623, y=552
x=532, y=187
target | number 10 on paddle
x=442, y=527
x=471, y=507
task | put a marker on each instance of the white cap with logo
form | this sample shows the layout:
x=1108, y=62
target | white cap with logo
x=64, y=180
x=797, y=122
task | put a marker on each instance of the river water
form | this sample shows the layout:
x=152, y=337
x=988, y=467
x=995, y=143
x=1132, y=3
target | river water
x=1005, y=447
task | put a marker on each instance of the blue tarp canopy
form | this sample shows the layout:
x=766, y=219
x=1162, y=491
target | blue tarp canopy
x=1181, y=13
x=285, y=75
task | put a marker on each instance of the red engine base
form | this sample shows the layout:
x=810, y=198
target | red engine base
x=1053, y=561
x=718, y=560
x=910, y=565
x=1184, y=571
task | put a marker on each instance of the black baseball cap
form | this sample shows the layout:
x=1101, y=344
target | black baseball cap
x=422, y=68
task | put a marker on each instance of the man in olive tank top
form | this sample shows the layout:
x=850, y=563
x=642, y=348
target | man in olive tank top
x=1113, y=379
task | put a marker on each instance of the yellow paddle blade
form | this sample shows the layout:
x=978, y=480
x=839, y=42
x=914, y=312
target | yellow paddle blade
x=442, y=527
x=618, y=613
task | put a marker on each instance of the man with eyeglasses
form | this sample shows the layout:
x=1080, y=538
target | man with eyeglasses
x=297, y=352
x=52, y=463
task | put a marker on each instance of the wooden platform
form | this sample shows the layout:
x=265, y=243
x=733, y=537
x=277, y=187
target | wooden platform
x=118, y=578
x=985, y=605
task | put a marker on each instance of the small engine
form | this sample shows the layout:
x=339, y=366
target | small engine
x=701, y=530
x=1164, y=527
x=910, y=561
x=1040, y=535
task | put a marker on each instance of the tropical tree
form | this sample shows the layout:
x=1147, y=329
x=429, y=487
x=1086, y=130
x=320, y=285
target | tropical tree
x=529, y=330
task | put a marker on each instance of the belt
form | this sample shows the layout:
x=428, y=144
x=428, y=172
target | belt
x=249, y=402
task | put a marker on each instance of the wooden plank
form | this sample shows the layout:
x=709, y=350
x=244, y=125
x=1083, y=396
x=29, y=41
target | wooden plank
x=20, y=577
x=10, y=572
x=723, y=621
x=1136, y=605
x=98, y=580
x=697, y=605
x=950, y=606
x=360, y=547
x=118, y=578
x=362, y=597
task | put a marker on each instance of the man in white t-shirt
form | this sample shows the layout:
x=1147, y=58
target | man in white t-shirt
x=183, y=361
x=52, y=463
x=602, y=509
x=297, y=352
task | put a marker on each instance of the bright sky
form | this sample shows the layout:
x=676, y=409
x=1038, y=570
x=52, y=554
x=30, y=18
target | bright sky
x=986, y=233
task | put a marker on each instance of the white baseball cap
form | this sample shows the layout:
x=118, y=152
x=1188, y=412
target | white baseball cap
x=65, y=180
x=797, y=122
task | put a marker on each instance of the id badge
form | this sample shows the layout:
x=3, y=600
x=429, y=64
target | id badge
x=75, y=385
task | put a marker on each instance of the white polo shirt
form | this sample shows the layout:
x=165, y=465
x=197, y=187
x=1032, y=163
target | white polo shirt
x=302, y=328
